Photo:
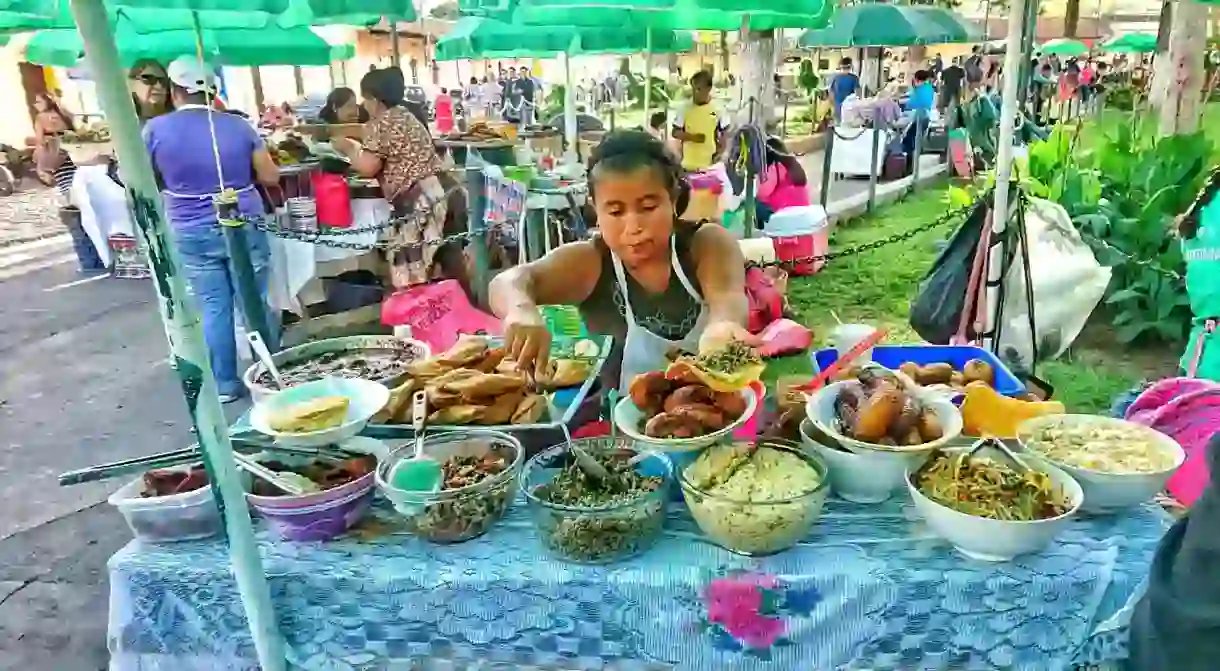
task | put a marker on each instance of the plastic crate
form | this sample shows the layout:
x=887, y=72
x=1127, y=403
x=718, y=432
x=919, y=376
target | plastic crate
x=893, y=356
x=564, y=321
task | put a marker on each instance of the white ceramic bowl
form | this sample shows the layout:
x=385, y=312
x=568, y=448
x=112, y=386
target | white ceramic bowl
x=366, y=398
x=630, y=420
x=820, y=409
x=864, y=477
x=996, y=540
x=1105, y=492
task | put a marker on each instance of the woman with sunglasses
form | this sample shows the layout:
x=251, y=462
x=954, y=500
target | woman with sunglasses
x=149, y=86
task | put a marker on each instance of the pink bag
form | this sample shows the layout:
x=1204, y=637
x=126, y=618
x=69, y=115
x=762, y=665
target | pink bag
x=437, y=313
x=1187, y=410
x=766, y=303
x=784, y=336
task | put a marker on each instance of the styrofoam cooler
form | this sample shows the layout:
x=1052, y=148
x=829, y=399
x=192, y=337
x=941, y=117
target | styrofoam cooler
x=800, y=232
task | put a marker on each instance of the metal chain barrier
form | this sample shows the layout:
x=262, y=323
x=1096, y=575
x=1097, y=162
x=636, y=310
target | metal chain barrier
x=1143, y=263
x=326, y=238
x=950, y=217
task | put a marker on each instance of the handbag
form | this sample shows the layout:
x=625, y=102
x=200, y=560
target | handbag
x=936, y=312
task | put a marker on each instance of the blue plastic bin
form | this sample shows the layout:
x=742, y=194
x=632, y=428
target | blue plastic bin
x=893, y=356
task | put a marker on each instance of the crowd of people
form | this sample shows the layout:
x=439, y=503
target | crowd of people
x=513, y=95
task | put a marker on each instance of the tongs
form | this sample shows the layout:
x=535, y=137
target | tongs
x=244, y=445
x=1008, y=456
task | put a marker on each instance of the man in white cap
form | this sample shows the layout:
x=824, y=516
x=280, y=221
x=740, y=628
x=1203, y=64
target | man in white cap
x=188, y=147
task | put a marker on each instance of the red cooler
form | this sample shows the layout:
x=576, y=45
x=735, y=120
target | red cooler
x=800, y=232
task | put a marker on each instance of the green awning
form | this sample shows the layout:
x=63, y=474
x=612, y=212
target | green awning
x=876, y=25
x=268, y=45
x=1064, y=47
x=480, y=37
x=726, y=15
x=1131, y=43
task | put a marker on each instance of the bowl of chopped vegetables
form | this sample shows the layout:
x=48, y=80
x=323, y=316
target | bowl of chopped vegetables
x=478, y=472
x=1119, y=464
x=755, y=498
x=991, y=505
x=586, y=519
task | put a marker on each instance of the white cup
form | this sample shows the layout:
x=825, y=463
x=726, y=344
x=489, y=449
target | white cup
x=846, y=336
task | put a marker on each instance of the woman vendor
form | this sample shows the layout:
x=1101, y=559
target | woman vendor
x=649, y=280
x=1176, y=624
x=398, y=151
x=342, y=106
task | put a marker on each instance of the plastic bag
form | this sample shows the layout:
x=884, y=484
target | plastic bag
x=936, y=312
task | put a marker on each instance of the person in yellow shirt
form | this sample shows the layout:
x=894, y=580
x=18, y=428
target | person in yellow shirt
x=699, y=125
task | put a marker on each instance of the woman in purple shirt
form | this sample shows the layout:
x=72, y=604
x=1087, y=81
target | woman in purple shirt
x=188, y=147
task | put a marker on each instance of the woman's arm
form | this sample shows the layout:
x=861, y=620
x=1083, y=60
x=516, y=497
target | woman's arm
x=565, y=276
x=721, y=269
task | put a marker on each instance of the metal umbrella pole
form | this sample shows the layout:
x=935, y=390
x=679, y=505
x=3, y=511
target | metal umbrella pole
x=1000, y=210
x=182, y=328
x=872, y=172
x=647, y=75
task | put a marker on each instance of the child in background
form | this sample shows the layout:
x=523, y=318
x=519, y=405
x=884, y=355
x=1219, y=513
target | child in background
x=783, y=184
x=656, y=125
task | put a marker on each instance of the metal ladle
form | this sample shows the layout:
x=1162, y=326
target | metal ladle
x=264, y=355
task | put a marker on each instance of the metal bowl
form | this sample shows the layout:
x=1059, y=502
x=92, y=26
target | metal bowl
x=412, y=350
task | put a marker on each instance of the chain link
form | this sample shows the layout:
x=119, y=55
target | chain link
x=1143, y=263
x=950, y=217
x=327, y=238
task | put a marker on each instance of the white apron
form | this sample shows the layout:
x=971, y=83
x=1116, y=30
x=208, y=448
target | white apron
x=643, y=350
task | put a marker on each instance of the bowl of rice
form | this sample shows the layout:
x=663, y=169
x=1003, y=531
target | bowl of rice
x=1118, y=464
x=755, y=498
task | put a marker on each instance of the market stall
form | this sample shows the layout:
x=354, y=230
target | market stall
x=511, y=568
x=403, y=518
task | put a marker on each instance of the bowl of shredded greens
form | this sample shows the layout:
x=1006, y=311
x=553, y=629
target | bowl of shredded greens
x=991, y=506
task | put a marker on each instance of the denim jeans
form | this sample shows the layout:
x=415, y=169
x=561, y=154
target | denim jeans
x=209, y=272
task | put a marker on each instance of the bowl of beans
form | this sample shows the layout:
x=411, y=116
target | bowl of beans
x=478, y=476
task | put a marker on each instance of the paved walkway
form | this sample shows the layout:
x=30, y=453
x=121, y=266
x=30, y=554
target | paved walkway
x=30, y=214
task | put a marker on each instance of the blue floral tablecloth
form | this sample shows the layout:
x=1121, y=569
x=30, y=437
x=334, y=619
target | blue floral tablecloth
x=871, y=588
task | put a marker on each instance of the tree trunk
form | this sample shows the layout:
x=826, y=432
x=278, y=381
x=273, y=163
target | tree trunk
x=1162, y=72
x=1187, y=39
x=724, y=57
x=757, y=78
x=1071, y=18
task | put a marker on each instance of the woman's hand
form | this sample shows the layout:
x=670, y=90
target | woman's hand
x=526, y=339
x=346, y=146
x=718, y=334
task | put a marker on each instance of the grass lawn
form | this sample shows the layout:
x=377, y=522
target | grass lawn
x=877, y=287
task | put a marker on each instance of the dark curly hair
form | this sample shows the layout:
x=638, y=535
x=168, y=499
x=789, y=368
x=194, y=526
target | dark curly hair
x=629, y=150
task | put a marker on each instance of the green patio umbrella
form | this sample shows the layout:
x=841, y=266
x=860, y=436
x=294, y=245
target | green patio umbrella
x=142, y=20
x=876, y=25
x=960, y=28
x=475, y=37
x=1131, y=43
x=269, y=45
x=725, y=15
x=1064, y=47
x=479, y=37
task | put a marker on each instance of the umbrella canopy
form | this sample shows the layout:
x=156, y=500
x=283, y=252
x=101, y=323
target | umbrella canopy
x=876, y=25
x=481, y=37
x=1065, y=47
x=268, y=45
x=151, y=16
x=1131, y=43
x=725, y=15
x=959, y=27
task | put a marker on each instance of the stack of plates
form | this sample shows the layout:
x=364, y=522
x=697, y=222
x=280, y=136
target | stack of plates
x=302, y=213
